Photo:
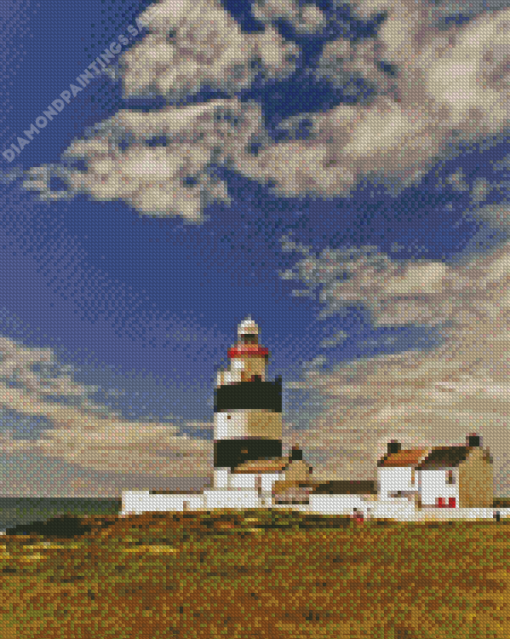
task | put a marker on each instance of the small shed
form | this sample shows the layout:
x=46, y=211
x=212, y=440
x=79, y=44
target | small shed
x=292, y=491
x=342, y=496
x=364, y=487
x=263, y=473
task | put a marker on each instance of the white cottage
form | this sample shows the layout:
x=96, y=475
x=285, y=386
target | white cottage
x=396, y=473
x=442, y=476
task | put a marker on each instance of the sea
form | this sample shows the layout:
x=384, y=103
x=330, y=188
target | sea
x=26, y=510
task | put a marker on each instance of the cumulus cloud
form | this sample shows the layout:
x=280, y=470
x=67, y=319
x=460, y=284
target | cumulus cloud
x=86, y=434
x=338, y=338
x=38, y=372
x=305, y=17
x=197, y=43
x=434, y=396
x=444, y=87
x=343, y=61
x=171, y=178
x=396, y=292
x=108, y=444
x=435, y=10
x=187, y=49
x=433, y=87
x=496, y=215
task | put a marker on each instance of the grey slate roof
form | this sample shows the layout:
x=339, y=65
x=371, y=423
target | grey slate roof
x=346, y=487
x=444, y=457
x=448, y=457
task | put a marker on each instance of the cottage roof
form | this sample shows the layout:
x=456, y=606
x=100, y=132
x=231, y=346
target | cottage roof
x=410, y=457
x=448, y=457
x=346, y=487
x=430, y=459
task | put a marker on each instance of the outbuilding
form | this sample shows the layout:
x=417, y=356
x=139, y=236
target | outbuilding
x=458, y=476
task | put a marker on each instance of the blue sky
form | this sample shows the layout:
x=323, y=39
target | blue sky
x=148, y=304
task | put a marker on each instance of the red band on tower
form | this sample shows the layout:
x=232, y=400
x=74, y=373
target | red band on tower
x=248, y=350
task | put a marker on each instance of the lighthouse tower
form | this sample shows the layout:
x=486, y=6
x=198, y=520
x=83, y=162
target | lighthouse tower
x=247, y=408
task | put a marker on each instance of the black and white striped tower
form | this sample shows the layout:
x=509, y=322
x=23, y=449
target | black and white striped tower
x=247, y=408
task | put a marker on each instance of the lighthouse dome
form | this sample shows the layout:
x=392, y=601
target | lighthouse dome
x=247, y=326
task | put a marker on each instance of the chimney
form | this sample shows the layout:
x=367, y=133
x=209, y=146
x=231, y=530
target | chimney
x=296, y=453
x=473, y=440
x=394, y=446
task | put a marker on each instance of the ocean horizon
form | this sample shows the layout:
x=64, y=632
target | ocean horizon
x=15, y=511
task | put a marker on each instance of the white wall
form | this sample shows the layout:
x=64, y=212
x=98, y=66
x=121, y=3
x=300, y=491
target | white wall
x=397, y=509
x=249, y=480
x=139, y=501
x=394, y=479
x=433, y=485
x=337, y=504
x=221, y=477
x=231, y=499
x=242, y=480
x=268, y=480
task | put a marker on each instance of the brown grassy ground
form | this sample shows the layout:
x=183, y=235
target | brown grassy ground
x=259, y=574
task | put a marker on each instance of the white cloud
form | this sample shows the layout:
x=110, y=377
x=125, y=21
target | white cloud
x=199, y=52
x=305, y=17
x=108, y=444
x=397, y=292
x=434, y=396
x=38, y=372
x=86, y=434
x=338, y=338
x=448, y=85
x=156, y=180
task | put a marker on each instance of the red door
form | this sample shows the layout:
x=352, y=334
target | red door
x=440, y=502
x=451, y=502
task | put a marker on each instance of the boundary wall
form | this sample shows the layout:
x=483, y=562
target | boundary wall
x=140, y=501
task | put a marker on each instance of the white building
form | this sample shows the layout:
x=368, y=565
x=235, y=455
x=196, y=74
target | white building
x=442, y=476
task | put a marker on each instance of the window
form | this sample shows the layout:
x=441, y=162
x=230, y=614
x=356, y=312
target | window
x=450, y=479
x=228, y=417
x=413, y=477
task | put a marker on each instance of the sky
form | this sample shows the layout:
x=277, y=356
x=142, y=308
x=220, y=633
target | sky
x=336, y=170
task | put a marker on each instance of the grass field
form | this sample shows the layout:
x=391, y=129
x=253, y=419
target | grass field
x=258, y=574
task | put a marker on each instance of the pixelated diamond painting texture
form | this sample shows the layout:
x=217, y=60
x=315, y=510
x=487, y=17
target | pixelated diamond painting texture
x=254, y=319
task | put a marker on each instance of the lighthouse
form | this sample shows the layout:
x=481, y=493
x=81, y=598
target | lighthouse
x=247, y=407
